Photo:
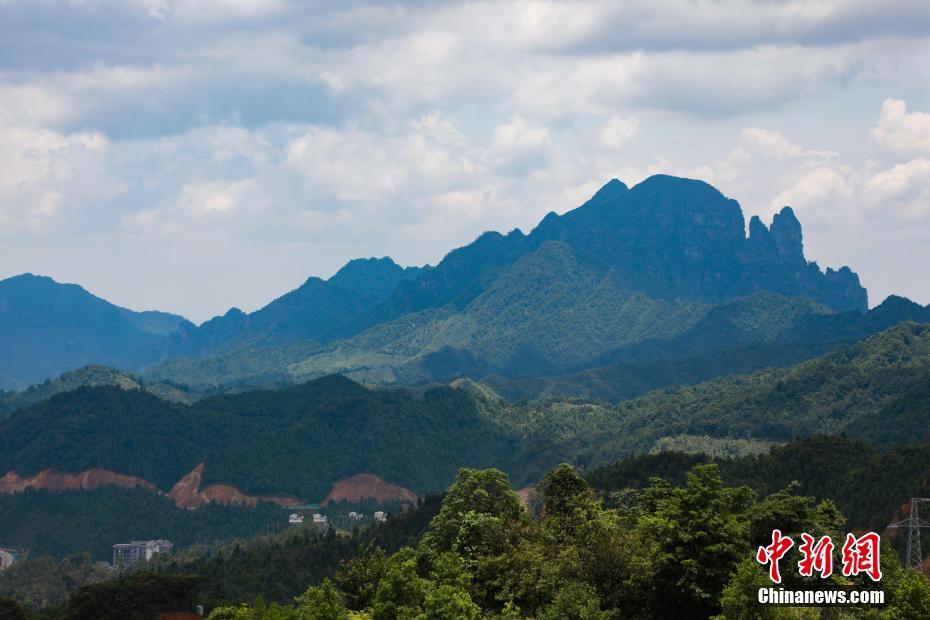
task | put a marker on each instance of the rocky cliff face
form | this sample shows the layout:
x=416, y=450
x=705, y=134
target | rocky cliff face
x=682, y=239
x=672, y=238
x=773, y=259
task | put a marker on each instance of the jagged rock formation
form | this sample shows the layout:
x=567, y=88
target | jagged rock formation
x=774, y=260
x=668, y=239
x=672, y=238
x=682, y=239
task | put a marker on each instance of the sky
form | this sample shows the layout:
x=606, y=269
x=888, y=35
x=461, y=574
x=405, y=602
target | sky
x=194, y=155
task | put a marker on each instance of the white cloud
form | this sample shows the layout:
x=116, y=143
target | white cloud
x=619, y=130
x=901, y=132
x=823, y=193
x=45, y=174
x=902, y=192
x=332, y=130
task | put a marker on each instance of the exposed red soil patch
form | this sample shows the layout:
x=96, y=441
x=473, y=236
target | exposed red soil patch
x=364, y=486
x=528, y=497
x=87, y=480
x=187, y=494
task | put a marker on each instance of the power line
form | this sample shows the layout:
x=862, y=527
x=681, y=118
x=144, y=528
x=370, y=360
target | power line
x=913, y=523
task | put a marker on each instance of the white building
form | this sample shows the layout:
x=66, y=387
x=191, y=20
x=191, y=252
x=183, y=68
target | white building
x=295, y=519
x=380, y=516
x=7, y=557
x=319, y=519
x=127, y=554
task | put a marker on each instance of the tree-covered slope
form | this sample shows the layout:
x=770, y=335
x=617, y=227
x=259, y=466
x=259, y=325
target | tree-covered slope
x=297, y=440
x=308, y=313
x=47, y=328
x=88, y=376
x=739, y=337
x=868, y=485
x=543, y=314
x=302, y=438
x=65, y=524
x=874, y=390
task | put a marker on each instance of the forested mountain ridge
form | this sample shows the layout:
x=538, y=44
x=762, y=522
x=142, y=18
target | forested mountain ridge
x=667, y=247
x=669, y=237
x=308, y=313
x=738, y=337
x=827, y=467
x=876, y=390
x=89, y=376
x=302, y=438
x=297, y=440
x=47, y=328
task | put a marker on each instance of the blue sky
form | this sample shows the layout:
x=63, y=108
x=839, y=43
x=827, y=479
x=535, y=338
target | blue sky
x=195, y=155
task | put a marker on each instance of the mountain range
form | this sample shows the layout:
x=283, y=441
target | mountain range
x=301, y=439
x=649, y=319
x=629, y=266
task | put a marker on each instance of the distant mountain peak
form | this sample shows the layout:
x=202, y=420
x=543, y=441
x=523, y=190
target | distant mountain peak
x=374, y=277
x=612, y=188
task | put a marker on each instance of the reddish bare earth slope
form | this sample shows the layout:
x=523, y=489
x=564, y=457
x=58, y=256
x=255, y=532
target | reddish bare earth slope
x=364, y=486
x=87, y=480
x=187, y=494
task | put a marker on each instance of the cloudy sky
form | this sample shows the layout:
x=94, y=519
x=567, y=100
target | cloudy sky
x=192, y=155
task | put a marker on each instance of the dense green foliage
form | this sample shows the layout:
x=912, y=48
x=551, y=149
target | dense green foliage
x=869, y=486
x=44, y=582
x=672, y=552
x=134, y=597
x=297, y=440
x=69, y=523
x=276, y=566
x=303, y=438
x=738, y=337
x=89, y=376
x=279, y=567
x=875, y=390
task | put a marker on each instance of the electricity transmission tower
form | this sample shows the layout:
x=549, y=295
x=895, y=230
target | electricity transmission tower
x=913, y=523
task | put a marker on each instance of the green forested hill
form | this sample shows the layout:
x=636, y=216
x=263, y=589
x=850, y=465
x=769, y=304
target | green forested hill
x=297, y=440
x=300, y=439
x=89, y=376
x=868, y=485
x=685, y=551
x=65, y=524
x=47, y=328
x=739, y=337
x=546, y=314
x=875, y=390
